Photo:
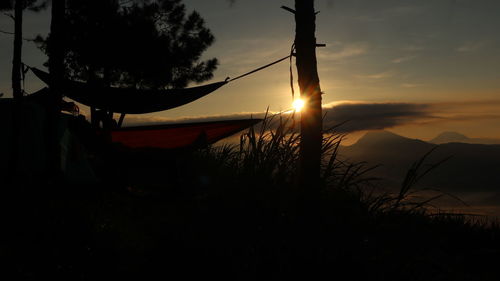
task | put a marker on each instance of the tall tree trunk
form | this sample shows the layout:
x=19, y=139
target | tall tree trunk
x=18, y=45
x=308, y=208
x=310, y=92
x=56, y=69
x=16, y=90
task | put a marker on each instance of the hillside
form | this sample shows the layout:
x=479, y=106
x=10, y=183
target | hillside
x=472, y=167
x=448, y=137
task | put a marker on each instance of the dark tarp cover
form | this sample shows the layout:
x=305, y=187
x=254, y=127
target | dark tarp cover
x=129, y=100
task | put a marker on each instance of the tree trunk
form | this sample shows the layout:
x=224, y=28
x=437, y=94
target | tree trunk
x=56, y=69
x=308, y=208
x=310, y=92
x=16, y=90
x=18, y=45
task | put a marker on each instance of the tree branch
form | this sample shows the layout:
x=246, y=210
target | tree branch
x=6, y=32
x=11, y=16
x=125, y=2
x=12, y=33
x=288, y=9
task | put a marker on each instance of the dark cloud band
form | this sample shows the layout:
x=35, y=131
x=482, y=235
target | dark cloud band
x=374, y=116
x=352, y=116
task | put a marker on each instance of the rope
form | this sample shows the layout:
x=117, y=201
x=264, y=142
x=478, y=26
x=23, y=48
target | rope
x=259, y=69
x=290, y=56
x=291, y=71
x=292, y=50
x=24, y=70
x=253, y=71
x=27, y=67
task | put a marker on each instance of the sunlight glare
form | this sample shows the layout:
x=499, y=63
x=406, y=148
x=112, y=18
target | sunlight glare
x=298, y=105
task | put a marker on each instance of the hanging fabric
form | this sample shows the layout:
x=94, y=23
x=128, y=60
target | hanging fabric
x=127, y=100
x=180, y=135
x=137, y=101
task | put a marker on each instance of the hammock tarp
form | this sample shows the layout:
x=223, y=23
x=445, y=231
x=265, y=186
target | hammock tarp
x=181, y=135
x=129, y=100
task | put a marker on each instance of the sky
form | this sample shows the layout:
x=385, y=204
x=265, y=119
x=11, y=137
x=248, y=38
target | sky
x=414, y=67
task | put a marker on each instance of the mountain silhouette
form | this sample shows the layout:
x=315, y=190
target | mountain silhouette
x=448, y=137
x=472, y=167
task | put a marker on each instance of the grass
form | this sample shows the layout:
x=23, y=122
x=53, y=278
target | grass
x=235, y=212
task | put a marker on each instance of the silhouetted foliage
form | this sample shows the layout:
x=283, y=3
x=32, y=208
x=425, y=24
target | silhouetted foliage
x=144, y=44
x=6, y=5
x=32, y=5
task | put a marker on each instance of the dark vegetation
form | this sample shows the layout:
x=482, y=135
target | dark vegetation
x=234, y=212
x=139, y=44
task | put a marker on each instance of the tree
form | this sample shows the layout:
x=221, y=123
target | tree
x=308, y=220
x=56, y=52
x=19, y=6
x=310, y=91
x=143, y=44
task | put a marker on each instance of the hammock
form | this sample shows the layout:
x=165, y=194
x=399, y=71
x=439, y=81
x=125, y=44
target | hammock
x=172, y=136
x=128, y=100
x=134, y=101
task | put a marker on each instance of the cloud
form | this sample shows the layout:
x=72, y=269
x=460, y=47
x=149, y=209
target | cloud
x=378, y=76
x=404, y=10
x=471, y=117
x=478, y=105
x=410, y=85
x=403, y=59
x=345, y=51
x=413, y=48
x=374, y=116
x=249, y=52
x=360, y=116
x=368, y=18
x=354, y=116
x=470, y=47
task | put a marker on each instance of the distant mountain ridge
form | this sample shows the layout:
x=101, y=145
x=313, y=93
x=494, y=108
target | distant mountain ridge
x=448, y=137
x=472, y=167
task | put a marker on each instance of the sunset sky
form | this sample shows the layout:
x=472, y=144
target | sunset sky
x=416, y=67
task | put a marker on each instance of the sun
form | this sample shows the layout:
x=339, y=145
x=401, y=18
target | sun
x=298, y=105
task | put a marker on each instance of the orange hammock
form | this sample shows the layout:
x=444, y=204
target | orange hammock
x=179, y=135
